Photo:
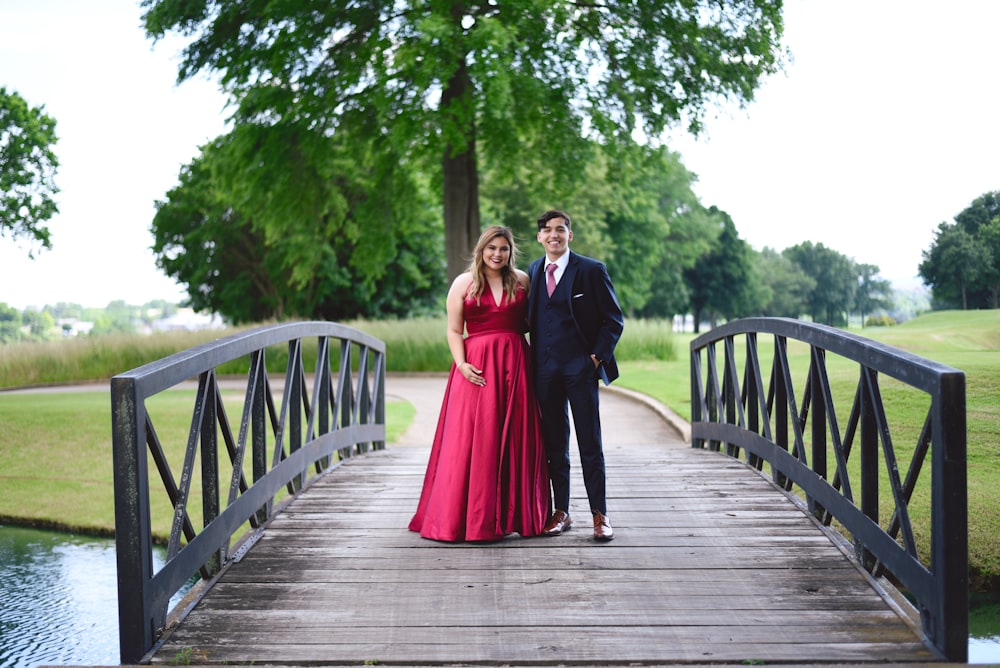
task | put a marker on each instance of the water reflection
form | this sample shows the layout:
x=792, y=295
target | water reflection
x=60, y=599
x=59, y=594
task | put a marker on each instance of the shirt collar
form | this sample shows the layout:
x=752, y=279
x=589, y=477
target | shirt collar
x=560, y=263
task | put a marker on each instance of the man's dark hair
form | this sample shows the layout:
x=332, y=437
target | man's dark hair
x=554, y=213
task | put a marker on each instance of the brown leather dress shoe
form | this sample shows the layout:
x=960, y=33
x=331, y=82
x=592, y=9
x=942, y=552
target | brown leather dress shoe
x=559, y=522
x=602, y=527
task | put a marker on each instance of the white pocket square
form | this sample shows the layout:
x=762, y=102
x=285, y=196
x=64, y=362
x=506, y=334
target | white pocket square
x=577, y=296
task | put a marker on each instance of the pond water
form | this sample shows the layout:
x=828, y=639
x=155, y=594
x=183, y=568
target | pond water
x=59, y=597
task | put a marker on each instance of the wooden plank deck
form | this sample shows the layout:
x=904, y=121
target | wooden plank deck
x=710, y=565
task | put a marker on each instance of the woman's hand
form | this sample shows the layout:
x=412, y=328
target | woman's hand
x=472, y=374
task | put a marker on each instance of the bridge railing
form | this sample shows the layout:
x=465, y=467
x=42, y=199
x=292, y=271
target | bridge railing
x=219, y=482
x=786, y=410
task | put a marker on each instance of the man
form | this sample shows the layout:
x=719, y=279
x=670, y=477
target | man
x=575, y=323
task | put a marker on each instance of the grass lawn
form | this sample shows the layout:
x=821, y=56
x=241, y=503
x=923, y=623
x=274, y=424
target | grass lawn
x=55, y=455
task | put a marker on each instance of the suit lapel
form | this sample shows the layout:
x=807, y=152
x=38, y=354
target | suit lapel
x=535, y=277
x=567, y=278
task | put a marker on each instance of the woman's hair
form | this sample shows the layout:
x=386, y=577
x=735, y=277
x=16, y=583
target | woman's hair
x=477, y=266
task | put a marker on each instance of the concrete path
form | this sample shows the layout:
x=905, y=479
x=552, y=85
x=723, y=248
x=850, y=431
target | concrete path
x=625, y=415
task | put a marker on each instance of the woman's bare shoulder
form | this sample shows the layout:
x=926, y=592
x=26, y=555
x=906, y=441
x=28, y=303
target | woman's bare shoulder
x=461, y=284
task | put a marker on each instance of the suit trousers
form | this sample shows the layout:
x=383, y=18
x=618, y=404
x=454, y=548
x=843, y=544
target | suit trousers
x=558, y=388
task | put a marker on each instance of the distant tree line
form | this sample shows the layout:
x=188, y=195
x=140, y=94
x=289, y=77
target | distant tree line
x=54, y=321
x=732, y=280
x=962, y=266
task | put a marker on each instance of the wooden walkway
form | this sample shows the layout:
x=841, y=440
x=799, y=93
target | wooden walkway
x=710, y=565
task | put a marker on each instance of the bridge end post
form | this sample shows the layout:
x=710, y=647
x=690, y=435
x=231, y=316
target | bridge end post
x=133, y=537
x=949, y=519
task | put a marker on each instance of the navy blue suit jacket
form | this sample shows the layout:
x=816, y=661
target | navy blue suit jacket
x=593, y=305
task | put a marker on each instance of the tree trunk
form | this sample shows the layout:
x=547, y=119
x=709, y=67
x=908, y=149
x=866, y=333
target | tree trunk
x=461, y=178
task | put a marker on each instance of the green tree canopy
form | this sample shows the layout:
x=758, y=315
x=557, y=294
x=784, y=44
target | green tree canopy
x=953, y=265
x=788, y=287
x=453, y=80
x=873, y=293
x=723, y=282
x=272, y=221
x=836, y=280
x=980, y=213
x=10, y=324
x=658, y=228
x=27, y=170
x=962, y=266
x=989, y=238
x=635, y=210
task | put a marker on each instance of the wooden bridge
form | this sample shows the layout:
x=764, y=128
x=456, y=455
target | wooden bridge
x=712, y=563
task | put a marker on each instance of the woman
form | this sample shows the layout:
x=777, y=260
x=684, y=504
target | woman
x=487, y=475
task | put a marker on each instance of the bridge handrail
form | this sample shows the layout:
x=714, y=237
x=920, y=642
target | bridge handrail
x=749, y=417
x=345, y=413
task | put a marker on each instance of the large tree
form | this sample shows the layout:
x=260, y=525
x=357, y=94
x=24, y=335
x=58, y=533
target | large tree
x=873, y=292
x=27, y=170
x=271, y=222
x=989, y=238
x=637, y=212
x=953, y=265
x=962, y=266
x=787, y=286
x=980, y=212
x=836, y=280
x=459, y=79
x=724, y=282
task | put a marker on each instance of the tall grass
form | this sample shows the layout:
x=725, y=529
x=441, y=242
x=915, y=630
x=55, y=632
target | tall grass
x=89, y=358
x=417, y=345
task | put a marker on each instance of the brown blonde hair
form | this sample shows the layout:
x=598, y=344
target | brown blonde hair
x=477, y=266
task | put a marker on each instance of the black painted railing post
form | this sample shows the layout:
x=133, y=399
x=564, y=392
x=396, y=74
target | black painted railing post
x=133, y=537
x=729, y=391
x=697, y=412
x=949, y=513
x=781, y=415
x=293, y=395
x=347, y=387
x=257, y=388
x=321, y=391
x=753, y=405
x=210, y=503
x=868, y=456
x=818, y=422
x=380, y=398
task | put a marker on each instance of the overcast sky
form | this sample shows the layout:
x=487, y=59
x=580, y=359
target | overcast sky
x=882, y=127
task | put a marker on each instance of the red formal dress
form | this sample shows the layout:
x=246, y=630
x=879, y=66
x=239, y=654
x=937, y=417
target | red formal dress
x=487, y=475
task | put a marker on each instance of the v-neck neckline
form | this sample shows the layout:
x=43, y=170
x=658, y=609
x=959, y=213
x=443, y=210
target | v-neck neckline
x=493, y=296
x=497, y=303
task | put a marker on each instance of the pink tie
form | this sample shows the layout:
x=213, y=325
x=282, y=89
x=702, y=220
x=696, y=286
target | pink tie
x=550, y=279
